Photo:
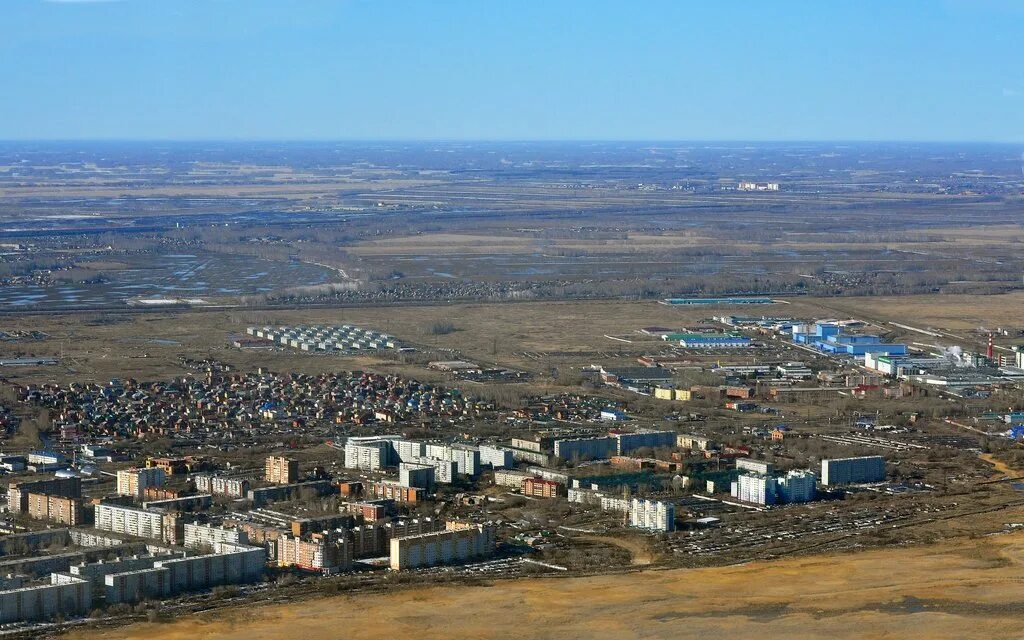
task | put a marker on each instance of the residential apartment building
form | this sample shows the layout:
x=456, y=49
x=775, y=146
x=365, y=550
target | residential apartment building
x=130, y=521
x=540, y=488
x=281, y=470
x=327, y=552
x=132, y=482
x=206, y=536
x=655, y=515
x=458, y=543
x=837, y=471
x=67, y=511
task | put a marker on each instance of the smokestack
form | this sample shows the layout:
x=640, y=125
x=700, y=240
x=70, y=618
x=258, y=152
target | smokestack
x=990, y=350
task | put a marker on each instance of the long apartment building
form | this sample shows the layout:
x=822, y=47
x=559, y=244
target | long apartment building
x=221, y=485
x=67, y=511
x=203, y=536
x=130, y=521
x=17, y=493
x=852, y=470
x=228, y=564
x=458, y=543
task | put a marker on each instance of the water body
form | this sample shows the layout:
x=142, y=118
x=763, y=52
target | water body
x=171, y=275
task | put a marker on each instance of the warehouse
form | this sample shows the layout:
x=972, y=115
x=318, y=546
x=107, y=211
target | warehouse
x=710, y=340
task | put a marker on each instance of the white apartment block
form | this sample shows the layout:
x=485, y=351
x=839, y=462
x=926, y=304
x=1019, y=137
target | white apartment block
x=130, y=521
x=652, y=514
x=203, y=536
x=367, y=456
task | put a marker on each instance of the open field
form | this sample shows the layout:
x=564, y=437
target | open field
x=961, y=588
x=527, y=335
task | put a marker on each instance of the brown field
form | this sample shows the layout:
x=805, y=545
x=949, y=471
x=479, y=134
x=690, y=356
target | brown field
x=955, y=589
x=97, y=348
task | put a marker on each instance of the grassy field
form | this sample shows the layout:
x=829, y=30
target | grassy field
x=559, y=334
x=964, y=588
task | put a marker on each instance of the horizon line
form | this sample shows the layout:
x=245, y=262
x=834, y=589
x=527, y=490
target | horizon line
x=342, y=140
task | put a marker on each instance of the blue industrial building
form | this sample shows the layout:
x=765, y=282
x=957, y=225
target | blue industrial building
x=829, y=337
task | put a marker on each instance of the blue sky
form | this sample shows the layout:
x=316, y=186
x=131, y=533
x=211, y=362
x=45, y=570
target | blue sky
x=515, y=69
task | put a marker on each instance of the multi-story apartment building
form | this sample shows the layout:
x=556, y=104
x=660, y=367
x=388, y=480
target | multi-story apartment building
x=797, y=486
x=205, y=536
x=416, y=475
x=652, y=514
x=628, y=442
x=851, y=470
x=458, y=543
x=130, y=521
x=17, y=493
x=395, y=491
x=368, y=455
x=221, y=485
x=281, y=470
x=585, y=448
x=466, y=459
x=496, y=457
x=540, y=488
x=57, y=509
x=328, y=552
x=445, y=471
x=132, y=482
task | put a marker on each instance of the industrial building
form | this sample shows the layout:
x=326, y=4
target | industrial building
x=838, y=471
x=829, y=337
x=458, y=543
x=330, y=339
x=709, y=340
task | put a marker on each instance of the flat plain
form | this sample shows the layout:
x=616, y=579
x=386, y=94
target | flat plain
x=960, y=588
